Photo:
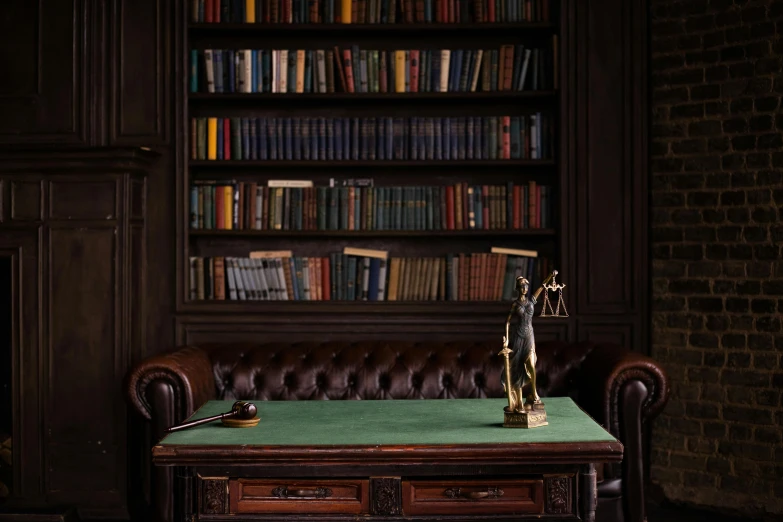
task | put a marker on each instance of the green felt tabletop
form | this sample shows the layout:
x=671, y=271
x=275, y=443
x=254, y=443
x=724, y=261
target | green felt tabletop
x=389, y=422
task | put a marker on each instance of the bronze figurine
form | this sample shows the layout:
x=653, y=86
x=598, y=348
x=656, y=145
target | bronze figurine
x=520, y=366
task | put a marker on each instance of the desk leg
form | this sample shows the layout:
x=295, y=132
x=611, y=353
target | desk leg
x=183, y=495
x=589, y=494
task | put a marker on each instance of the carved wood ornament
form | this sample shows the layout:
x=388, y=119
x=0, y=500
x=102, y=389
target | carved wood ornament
x=214, y=498
x=386, y=497
x=557, y=495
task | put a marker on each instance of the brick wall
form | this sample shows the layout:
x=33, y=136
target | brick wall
x=717, y=229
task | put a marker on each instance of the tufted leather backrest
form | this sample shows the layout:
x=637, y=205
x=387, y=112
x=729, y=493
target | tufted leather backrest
x=381, y=370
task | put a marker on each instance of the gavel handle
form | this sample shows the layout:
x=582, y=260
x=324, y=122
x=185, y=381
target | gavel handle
x=199, y=422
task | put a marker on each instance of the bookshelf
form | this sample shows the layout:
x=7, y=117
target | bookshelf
x=395, y=144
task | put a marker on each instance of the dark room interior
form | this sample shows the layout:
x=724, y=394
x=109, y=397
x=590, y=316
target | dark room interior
x=335, y=225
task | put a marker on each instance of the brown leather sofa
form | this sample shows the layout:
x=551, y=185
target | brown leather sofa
x=621, y=390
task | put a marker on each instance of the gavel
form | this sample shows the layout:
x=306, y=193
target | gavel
x=240, y=410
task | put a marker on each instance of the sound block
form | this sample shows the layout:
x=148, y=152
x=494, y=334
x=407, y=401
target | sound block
x=525, y=419
x=240, y=423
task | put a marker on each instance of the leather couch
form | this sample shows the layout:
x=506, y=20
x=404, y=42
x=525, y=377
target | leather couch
x=621, y=390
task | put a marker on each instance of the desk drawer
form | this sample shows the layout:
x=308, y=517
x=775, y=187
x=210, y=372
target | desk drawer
x=485, y=496
x=299, y=496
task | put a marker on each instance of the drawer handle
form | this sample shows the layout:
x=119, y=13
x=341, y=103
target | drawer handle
x=474, y=495
x=284, y=492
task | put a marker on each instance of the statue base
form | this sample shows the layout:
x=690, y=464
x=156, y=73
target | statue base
x=530, y=418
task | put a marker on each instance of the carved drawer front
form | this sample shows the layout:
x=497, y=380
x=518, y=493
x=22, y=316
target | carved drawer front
x=458, y=497
x=299, y=496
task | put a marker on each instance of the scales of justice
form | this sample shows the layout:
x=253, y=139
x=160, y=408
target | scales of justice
x=526, y=411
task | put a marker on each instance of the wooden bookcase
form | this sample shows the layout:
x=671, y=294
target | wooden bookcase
x=399, y=172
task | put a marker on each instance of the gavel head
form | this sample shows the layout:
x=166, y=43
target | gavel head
x=244, y=410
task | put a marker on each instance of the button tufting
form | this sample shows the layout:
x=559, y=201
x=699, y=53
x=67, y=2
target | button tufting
x=290, y=380
x=480, y=380
x=352, y=380
x=416, y=380
x=446, y=381
x=320, y=380
x=384, y=381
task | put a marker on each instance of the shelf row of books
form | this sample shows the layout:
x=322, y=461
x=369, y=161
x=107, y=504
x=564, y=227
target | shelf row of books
x=358, y=274
x=368, y=11
x=355, y=70
x=299, y=205
x=373, y=138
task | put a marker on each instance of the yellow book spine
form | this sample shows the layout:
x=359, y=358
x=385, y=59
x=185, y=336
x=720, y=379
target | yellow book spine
x=399, y=71
x=300, y=70
x=345, y=12
x=212, y=138
x=228, y=200
x=250, y=11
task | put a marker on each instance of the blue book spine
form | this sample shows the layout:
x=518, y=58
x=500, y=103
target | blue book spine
x=355, y=131
x=289, y=141
x=445, y=138
x=253, y=70
x=345, y=122
x=280, y=133
x=220, y=139
x=294, y=281
x=258, y=65
x=314, y=138
x=455, y=137
x=330, y=139
x=338, y=140
x=262, y=139
x=231, y=72
x=271, y=133
x=194, y=70
x=218, y=70
x=388, y=133
x=375, y=270
x=253, y=138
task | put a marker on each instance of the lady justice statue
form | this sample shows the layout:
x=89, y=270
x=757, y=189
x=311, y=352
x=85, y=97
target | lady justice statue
x=520, y=367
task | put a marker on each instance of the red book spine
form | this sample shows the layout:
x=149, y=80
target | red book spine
x=383, y=78
x=449, y=207
x=325, y=281
x=348, y=69
x=226, y=139
x=490, y=10
x=515, y=207
x=209, y=11
x=414, y=73
x=506, y=136
x=538, y=206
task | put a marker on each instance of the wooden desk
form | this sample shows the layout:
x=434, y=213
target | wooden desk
x=418, y=459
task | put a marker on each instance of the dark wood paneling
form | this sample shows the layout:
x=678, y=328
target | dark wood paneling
x=139, y=87
x=610, y=185
x=43, y=89
x=23, y=246
x=603, y=330
x=67, y=199
x=83, y=318
x=26, y=200
x=77, y=342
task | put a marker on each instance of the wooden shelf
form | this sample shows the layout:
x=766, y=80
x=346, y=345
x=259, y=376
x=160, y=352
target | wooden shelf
x=530, y=232
x=414, y=308
x=228, y=29
x=230, y=164
x=205, y=97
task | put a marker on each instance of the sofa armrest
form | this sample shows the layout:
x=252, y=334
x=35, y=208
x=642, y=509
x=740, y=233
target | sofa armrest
x=606, y=371
x=186, y=373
